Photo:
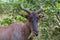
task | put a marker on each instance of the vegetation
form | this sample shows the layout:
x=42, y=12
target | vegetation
x=49, y=26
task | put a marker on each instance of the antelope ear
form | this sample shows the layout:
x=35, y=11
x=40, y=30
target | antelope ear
x=22, y=15
x=25, y=16
x=41, y=16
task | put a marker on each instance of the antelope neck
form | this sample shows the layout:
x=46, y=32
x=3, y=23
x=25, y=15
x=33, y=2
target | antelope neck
x=28, y=23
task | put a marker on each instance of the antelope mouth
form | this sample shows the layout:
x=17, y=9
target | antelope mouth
x=35, y=31
x=36, y=34
x=32, y=35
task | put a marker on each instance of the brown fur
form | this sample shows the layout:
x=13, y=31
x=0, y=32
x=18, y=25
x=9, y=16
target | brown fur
x=15, y=31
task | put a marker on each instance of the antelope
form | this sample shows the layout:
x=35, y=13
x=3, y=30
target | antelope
x=21, y=31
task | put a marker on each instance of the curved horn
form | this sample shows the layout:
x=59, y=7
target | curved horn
x=39, y=10
x=25, y=9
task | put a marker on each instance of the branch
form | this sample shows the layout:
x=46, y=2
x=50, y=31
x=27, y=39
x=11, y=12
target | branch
x=58, y=17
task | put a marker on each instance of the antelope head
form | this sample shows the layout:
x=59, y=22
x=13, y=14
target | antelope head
x=33, y=17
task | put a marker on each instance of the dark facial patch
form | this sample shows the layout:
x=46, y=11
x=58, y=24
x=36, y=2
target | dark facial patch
x=34, y=20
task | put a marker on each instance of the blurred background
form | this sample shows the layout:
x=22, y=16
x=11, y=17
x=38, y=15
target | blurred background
x=49, y=26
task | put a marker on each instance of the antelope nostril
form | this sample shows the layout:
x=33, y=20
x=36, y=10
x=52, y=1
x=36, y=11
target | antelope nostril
x=36, y=34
